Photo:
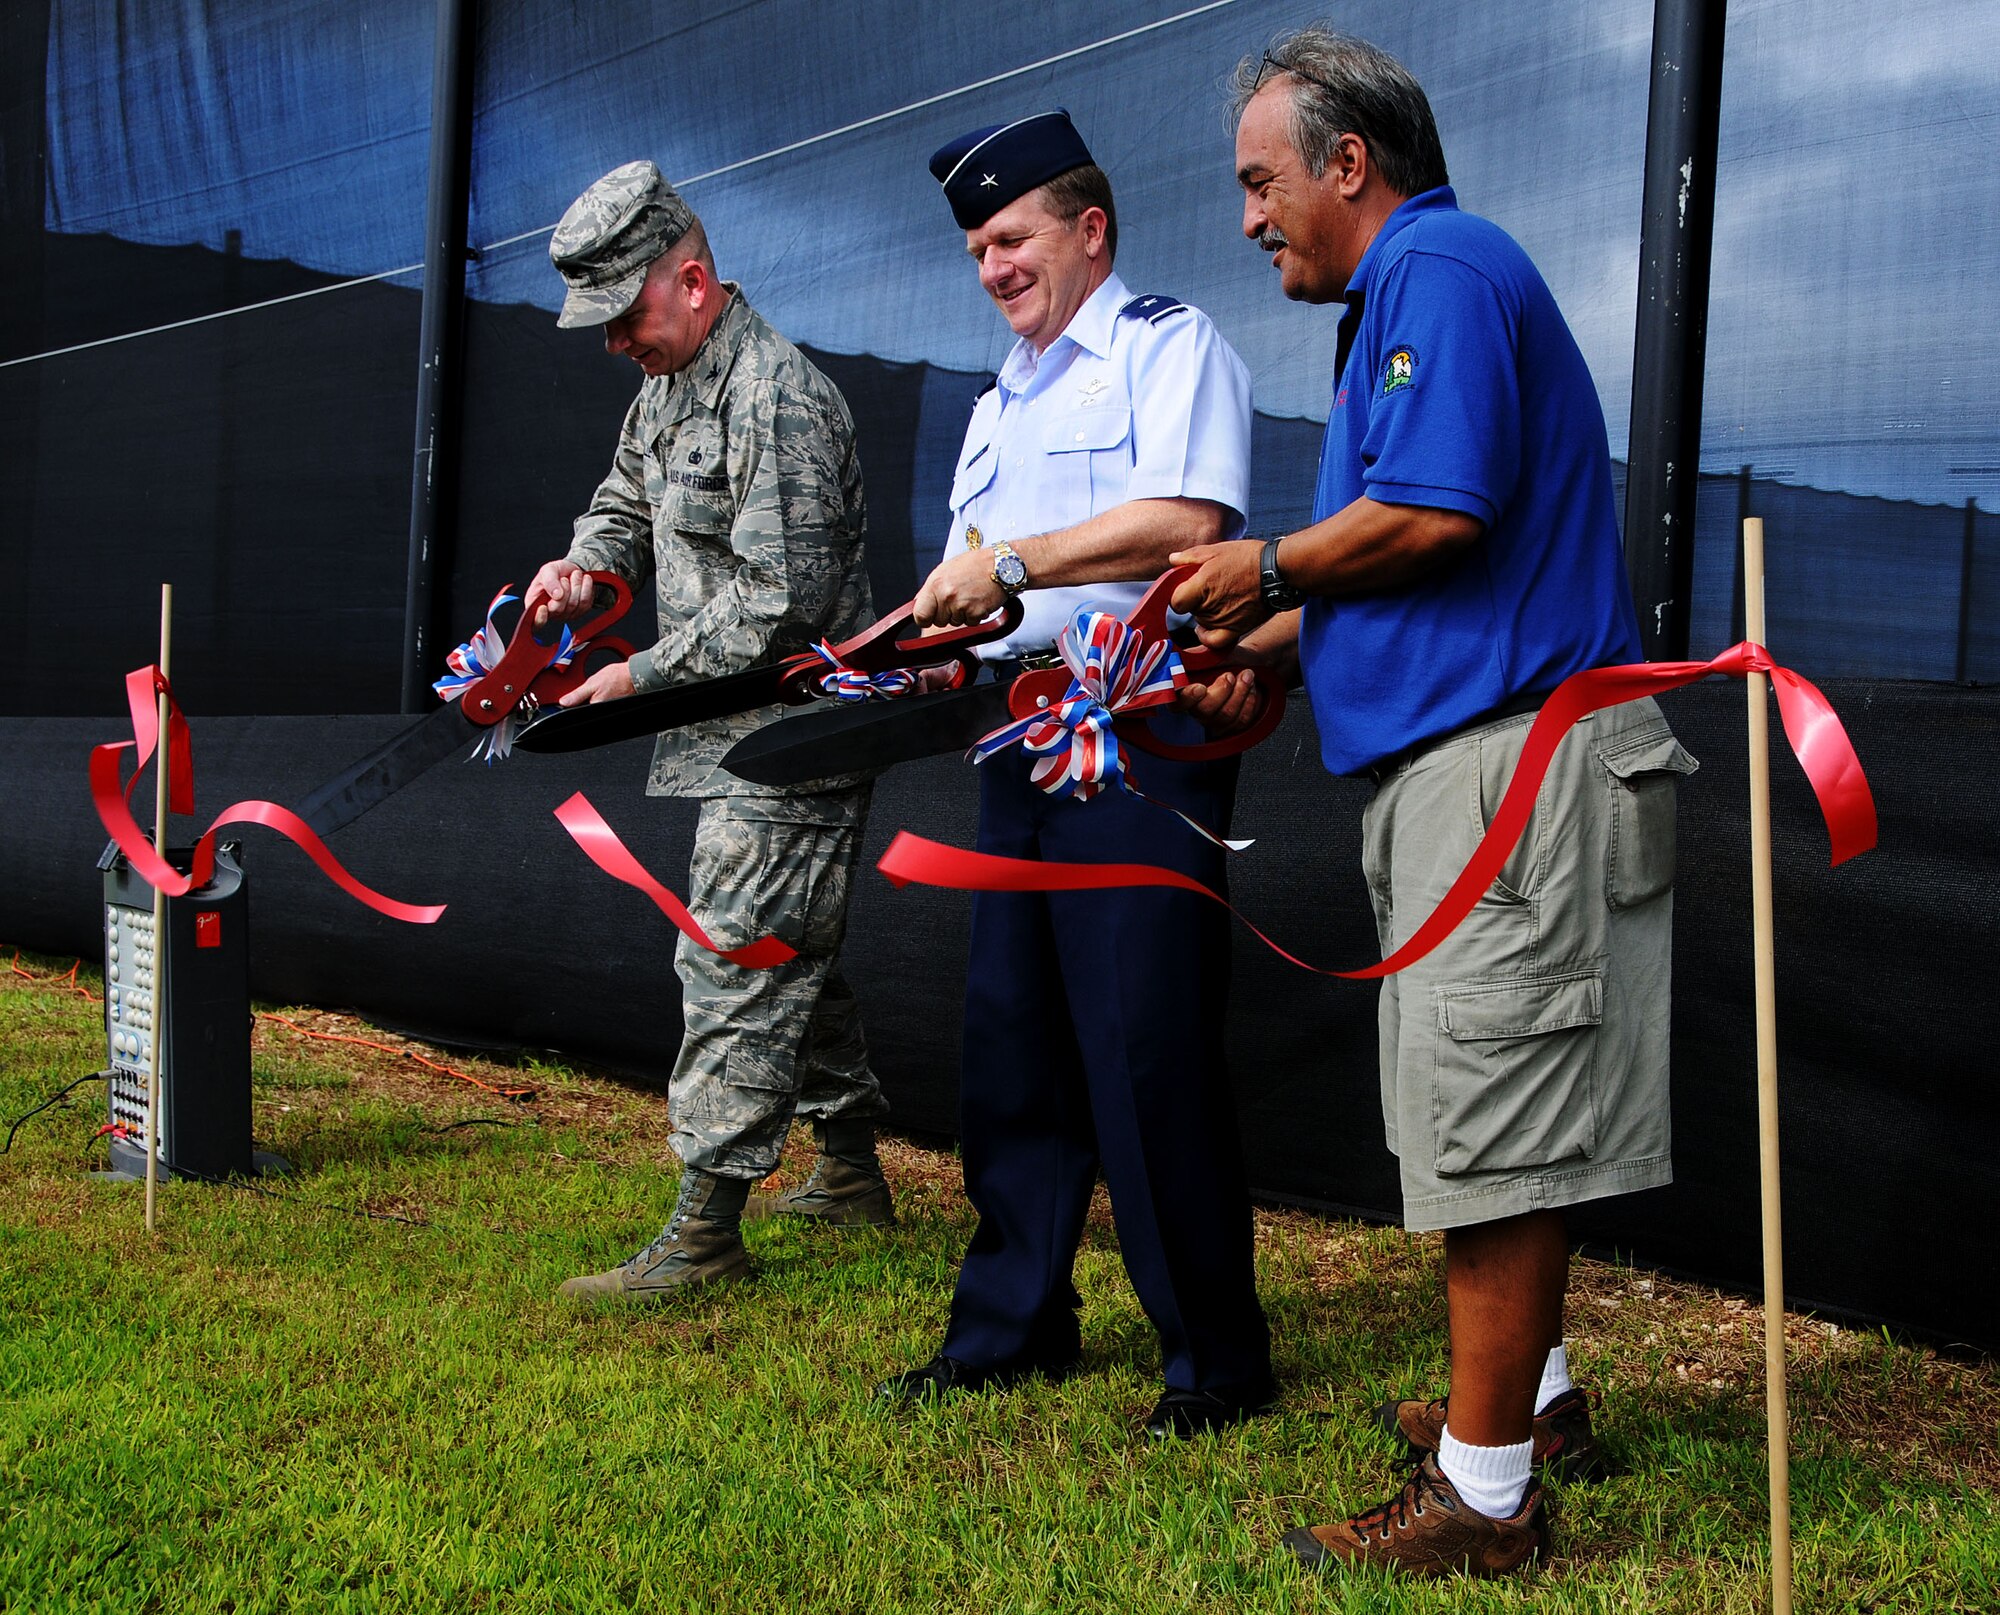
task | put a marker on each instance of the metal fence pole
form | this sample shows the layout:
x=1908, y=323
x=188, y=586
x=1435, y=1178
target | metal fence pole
x=1671, y=339
x=434, y=476
x=1965, y=557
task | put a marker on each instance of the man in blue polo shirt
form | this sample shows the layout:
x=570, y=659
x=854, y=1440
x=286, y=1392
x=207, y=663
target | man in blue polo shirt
x=1463, y=560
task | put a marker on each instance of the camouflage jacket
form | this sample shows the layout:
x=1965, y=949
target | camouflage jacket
x=737, y=486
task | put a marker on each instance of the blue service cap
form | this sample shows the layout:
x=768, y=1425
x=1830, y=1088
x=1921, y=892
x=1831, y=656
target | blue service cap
x=983, y=171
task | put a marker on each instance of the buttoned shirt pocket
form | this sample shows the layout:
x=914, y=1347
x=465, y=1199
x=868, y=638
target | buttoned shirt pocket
x=697, y=503
x=1515, y=1065
x=1643, y=777
x=1089, y=453
x=973, y=477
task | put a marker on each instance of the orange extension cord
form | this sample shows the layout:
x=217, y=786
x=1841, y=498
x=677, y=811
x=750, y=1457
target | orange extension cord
x=516, y=1094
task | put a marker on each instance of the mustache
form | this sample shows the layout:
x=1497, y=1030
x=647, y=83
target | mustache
x=1272, y=239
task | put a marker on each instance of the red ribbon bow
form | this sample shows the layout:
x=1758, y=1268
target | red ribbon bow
x=1811, y=726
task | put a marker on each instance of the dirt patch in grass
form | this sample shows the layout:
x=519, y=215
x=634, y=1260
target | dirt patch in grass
x=624, y=1125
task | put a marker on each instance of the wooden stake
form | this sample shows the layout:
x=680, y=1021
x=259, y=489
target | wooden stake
x=1767, y=1078
x=159, y=948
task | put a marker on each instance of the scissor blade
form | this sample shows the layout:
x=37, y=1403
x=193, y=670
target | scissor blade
x=603, y=723
x=867, y=735
x=387, y=769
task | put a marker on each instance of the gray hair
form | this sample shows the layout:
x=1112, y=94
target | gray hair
x=1342, y=85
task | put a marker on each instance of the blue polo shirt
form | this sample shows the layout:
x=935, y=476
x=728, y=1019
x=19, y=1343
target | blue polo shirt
x=1462, y=389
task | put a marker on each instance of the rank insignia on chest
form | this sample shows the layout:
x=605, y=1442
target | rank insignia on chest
x=973, y=537
x=1400, y=371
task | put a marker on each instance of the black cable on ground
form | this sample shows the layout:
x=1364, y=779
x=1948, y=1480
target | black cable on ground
x=300, y=1200
x=480, y=1121
x=55, y=1098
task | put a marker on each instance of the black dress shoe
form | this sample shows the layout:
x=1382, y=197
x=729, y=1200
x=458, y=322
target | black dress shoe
x=1180, y=1414
x=946, y=1376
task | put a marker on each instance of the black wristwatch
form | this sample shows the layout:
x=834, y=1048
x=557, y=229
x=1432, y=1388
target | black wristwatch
x=1275, y=591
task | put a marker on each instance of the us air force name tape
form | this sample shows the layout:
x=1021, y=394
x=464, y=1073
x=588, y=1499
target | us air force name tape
x=983, y=171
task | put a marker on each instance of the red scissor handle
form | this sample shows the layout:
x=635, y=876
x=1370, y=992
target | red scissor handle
x=1032, y=692
x=896, y=642
x=1204, y=665
x=527, y=658
x=553, y=683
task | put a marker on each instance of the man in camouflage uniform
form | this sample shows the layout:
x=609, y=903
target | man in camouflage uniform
x=736, y=485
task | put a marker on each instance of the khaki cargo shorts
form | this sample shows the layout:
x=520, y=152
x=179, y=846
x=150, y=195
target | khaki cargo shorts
x=1524, y=1062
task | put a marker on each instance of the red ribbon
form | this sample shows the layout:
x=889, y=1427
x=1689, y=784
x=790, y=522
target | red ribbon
x=602, y=847
x=1811, y=726
x=143, y=687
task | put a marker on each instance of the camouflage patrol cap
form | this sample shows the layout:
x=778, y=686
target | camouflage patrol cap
x=609, y=237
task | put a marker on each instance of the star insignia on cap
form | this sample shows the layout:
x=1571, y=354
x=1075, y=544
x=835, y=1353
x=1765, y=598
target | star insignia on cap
x=990, y=179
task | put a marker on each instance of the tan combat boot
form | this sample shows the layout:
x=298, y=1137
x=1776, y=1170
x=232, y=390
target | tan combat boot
x=701, y=1244
x=847, y=1188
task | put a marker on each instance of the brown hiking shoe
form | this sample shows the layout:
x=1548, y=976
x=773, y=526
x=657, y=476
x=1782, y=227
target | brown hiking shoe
x=1565, y=1448
x=701, y=1244
x=1426, y=1530
x=838, y=1193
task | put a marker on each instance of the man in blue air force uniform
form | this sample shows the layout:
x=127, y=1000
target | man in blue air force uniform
x=1118, y=432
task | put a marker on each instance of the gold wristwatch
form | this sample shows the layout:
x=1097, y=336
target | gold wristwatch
x=1009, y=570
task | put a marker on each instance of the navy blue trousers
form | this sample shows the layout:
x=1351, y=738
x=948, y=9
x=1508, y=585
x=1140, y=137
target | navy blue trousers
x=1093, y=1038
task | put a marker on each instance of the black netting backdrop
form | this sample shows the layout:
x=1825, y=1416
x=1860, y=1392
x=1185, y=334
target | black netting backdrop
x=1888, y=1105
x=162, y=164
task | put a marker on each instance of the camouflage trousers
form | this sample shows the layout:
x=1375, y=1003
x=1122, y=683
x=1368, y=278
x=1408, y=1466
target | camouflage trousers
x=760, y=1045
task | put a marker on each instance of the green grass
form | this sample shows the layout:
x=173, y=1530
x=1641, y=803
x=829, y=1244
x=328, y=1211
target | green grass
x=293, y=1401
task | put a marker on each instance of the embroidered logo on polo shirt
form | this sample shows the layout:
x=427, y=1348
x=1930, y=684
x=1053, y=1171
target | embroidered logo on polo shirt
x=1400, y=372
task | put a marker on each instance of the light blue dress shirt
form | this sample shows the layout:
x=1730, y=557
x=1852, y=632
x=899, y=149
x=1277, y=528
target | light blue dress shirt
x=1150, y=404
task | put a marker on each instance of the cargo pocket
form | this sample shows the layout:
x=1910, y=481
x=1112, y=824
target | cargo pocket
x=757, y=1070
x=1642, y=775
x=1514, y=1071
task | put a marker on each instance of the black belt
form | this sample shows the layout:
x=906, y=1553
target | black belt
x=1513, y=707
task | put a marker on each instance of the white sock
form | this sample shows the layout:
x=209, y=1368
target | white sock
x=1555, y=1378
x=1491, y=1480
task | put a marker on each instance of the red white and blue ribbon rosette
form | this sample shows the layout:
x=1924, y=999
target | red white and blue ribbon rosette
x=1115, y=671
x=479, y=656
x=849, y=684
